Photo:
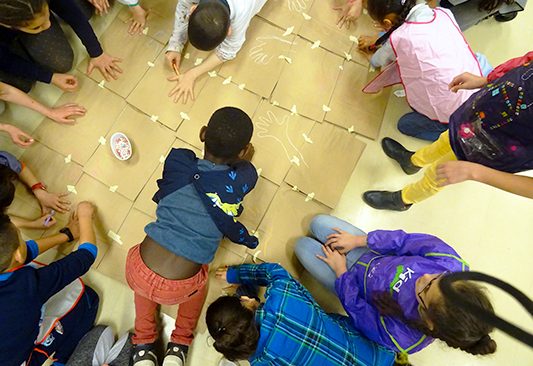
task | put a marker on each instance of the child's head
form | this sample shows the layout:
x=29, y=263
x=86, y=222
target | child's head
x=231, y=323
x=228, y=133
x=7, y=188
x=442, y=319
x=389, y=13
x=209, y=24
x=29, y=16
x=12, y=249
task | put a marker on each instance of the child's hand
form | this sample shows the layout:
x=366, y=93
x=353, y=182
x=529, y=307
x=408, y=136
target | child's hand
x=364, y=43
x=173, y=60
x=452, y=172
x=221, y=273
x=138, y=20
x=19, y=137
x=349, y=12
x=65, y=82
x=63, y=113
x=52, y=201
x=107, y=65
x=85, y=210
x=467, y=81
x=335, y=260
x=43, y=222
x=343, y=242
x=185, y=87
x=102, y=6
x=74, y=226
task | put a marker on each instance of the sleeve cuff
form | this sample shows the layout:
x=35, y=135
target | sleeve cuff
x=91, y=248
x=232, y=276
x=33, y=250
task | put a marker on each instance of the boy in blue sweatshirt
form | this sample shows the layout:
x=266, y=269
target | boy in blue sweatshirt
x=45, y=310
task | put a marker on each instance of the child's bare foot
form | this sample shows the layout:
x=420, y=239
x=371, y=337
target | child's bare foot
x=138, y=20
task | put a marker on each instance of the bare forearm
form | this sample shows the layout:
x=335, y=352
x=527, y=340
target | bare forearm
x=20, y=222
x=27, y=177
x=86, y=230
x=52, y=241
x=517, y=184
x=209, y=64
x=14, y=95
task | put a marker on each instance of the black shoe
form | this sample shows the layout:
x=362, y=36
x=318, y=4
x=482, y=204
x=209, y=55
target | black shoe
x=385, y=200
x=176, y=354
x=502, y=18
x=394, y=150
x=144, y=355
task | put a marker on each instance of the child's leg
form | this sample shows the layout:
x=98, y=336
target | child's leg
x=189, y=311
x=306, y=250
x=434, y=152
x=418, y=125
x=322, y=226
x=145, y=320
x=50, y=48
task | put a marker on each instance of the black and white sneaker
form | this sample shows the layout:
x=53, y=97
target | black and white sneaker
x=176, y=354
x=144, y=355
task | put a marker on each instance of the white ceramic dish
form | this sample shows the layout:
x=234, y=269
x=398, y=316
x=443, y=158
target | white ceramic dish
x=121, y=146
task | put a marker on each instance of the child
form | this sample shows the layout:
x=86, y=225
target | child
x=199, y=201
x=45, y=310
x=423, y=49
x=19, y=137
x=34, y=48
x=387, y=282
x=210, y=24
x=289, y=328
x=491, y=135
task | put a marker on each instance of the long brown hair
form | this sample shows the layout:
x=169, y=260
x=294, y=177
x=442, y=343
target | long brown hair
x=17, y=13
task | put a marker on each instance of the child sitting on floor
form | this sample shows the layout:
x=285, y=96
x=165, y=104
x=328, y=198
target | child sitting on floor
x=490, y=139
x=208, y=24
x=424, y=50
x=45, y=310
x=199, y=201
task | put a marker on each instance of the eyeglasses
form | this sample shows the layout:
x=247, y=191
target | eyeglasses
x=426, y=289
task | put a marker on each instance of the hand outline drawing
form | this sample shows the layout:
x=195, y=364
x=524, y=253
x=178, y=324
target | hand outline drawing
x=297, y=5
x=257, y=52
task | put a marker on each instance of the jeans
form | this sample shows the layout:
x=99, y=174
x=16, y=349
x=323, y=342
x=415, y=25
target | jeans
x=307, y=248
x=418, y=125
x=151, y=290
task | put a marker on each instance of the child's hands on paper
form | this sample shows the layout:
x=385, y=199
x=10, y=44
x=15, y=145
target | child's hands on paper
x=108, y=66
x=39, y=224
x=349, y=12
x=19, y=137
x=52, y=201
x=184, y=88
x=74, y=225
x=364, y=43
x=343, y=242
x=65, y=82
x=173, y=60
x=334, y=259
x=101, y=6
x=138, y=20
x=467, y=81
x=66, y=114
x=85, y=210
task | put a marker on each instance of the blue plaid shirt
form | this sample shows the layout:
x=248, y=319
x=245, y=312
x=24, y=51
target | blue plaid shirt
x=295, y=330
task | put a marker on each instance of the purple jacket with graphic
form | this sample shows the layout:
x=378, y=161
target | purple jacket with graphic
x=396, y=261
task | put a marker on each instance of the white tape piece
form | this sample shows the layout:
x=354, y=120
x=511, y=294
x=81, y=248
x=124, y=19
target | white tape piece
x=275, y=103
x=295, y=160
x=288, y=31
x=154, y=118
x=145, y=31
x=294, y=110
x=307, y=138
x=212, y=74
x=150, y=64
x=187, y=56
x=371, y=69
x=310, y=197
x=351, y=129
x=227, y=81
x=101, y=84
x=283, y=57
x=354, y=39
x=254, y=257
x=326, y=108
x=242, y=86
x=198, y=61
x=341, y=67
x=400, y=93
x=294, y=188
x=307, y=16
x=102, y=140
x=315, y=45
x=259, y=171
x=68, y=158
x=115, y=237
x=365, y=12
x=185, y=116
x=348, y=56
x=113, y=189
x=72, y=189
x=162, y=159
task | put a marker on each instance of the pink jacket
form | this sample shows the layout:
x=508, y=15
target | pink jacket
x=428, y=56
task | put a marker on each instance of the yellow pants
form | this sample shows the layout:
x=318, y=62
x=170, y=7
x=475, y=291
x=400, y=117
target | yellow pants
x=430, y=156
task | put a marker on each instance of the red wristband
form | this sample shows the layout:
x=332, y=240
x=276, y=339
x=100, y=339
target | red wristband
x=37, y=186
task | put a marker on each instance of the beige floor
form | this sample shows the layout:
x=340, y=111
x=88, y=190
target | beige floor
x=463, y=215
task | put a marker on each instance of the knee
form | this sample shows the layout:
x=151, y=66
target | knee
x=303, y=247
x=318, y=223
x=405, y=125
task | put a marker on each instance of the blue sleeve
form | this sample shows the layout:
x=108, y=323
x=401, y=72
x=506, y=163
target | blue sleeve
x=53, y=278
x=32, y=251
x=257, y=274
x=73, y=16
x=8, y=160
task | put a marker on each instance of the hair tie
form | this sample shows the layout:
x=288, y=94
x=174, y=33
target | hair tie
x=221, y=329
x=403, y=2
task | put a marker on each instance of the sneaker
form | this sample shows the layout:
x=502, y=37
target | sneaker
x=176, y=354
x=144, y=355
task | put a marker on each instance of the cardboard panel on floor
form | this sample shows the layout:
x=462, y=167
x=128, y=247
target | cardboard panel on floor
x=144, y=200
x=286, y=220
x=135, y=53
x=308, y=82
x=278, y=139
x=131, y=233
x=287, y=13
x=323, y=27
x=330, y=160
x=149, y=141
x=81, y=139
x=156, y=101
x=158, y=26
x=26, y=206
x=258, y=65
x=351, y=107
x=217, y=93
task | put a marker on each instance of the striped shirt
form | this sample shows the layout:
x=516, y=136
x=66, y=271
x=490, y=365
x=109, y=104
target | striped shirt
x=295, y=330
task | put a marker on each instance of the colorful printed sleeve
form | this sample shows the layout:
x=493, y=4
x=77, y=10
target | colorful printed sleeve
x=181, y=25
x=501, y=70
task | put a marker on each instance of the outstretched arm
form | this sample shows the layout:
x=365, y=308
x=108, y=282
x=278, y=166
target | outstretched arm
x=458, y=171
x=48, y=200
